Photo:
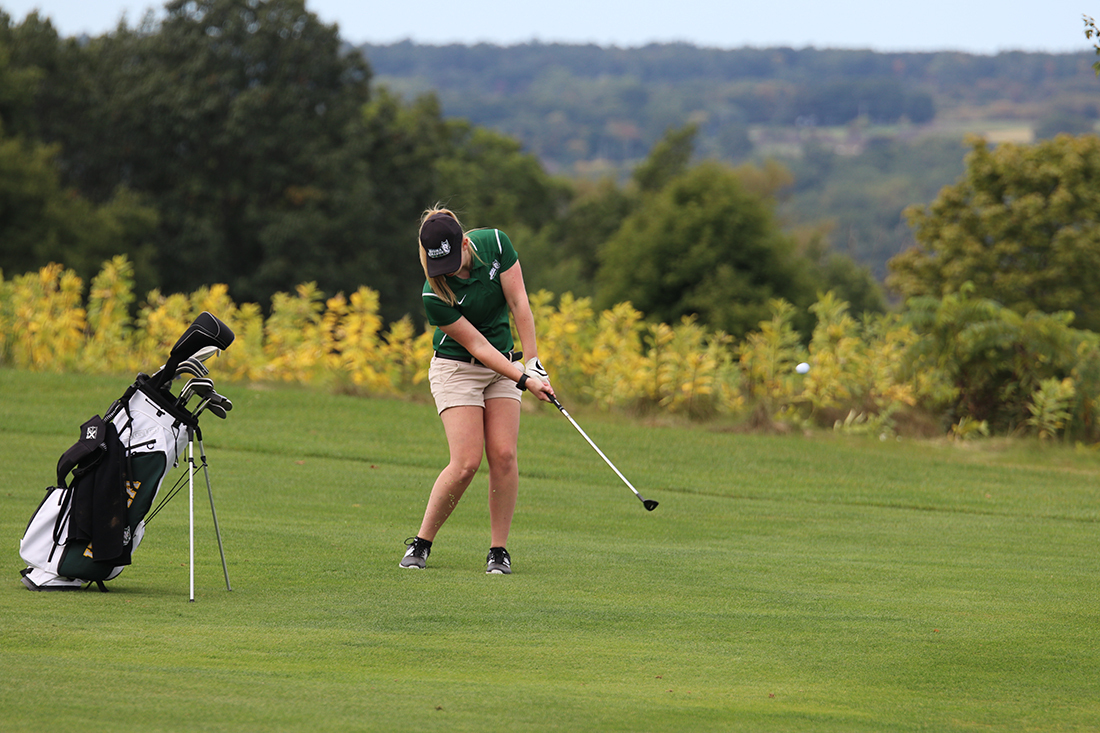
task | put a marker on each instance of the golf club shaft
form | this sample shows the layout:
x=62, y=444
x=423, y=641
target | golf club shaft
x=596, y=448
x=191, y=514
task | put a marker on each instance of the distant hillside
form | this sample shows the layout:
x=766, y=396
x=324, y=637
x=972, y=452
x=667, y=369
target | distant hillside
x=584, y=103
x=865, y=133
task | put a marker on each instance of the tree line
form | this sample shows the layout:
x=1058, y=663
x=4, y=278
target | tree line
x=242, y=142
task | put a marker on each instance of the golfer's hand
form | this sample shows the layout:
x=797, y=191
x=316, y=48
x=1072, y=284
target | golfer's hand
x=539, y=388
x=536, y=370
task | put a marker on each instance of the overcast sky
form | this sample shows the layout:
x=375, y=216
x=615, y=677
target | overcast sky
x=976, y=26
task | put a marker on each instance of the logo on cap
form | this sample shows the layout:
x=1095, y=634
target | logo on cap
x=443, y=251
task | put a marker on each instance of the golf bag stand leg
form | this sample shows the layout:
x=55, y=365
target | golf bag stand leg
x=191, y=510
x=213, y=511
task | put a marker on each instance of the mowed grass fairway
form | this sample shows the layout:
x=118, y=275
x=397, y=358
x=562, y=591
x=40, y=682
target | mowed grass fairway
x=784, y=584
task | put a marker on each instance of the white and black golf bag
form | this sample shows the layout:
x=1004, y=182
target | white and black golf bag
x=88, y=526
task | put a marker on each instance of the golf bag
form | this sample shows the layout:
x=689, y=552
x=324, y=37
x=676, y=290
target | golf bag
x=93, y=519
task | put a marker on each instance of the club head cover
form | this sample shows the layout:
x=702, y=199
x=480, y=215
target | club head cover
x=206, y=331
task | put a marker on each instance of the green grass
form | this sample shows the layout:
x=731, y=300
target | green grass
x=784, y=584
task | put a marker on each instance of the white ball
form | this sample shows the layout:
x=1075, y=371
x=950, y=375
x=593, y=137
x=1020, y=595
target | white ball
x=802, y=368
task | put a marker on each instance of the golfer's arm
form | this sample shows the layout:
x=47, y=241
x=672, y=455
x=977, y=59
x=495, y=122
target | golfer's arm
x=479, y=347
x=515, y=292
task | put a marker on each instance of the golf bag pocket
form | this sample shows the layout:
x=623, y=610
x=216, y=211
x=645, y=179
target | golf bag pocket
x=146, y=425
x=43, y=542
x=46, y=538
x=79, y=559
x=53, y=560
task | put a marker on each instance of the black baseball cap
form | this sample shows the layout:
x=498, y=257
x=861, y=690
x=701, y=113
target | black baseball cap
x=441, y=237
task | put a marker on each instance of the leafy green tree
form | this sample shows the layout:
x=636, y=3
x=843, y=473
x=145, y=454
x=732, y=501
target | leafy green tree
x=16, y=84
x=243, y=121
x=42, y=222
x=991, y=361
x=703, y=245
x=491, y=182
x=234, y=114
x=401, y=146
x=41, y=219
x=668, y=159
x=1022, y=225
x=851, y=282
x=58, y=106
x=564, y=255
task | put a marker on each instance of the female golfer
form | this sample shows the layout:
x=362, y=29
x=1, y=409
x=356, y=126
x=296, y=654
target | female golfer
x=473, y=282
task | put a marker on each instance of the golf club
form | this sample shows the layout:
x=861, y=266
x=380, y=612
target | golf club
x=217, y=404
x=222, y=401
x=205, y=353
x=201, y=386
x=191, y=366
x=649, y=504
x=186, y=390
x=208, y=405
x=205, y=331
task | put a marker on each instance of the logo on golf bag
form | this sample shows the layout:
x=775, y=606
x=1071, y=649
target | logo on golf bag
x=131, y=492
x=91, y=433
x=443, y=251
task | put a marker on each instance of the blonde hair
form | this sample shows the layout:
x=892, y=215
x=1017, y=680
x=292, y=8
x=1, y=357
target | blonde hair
x=439, y=283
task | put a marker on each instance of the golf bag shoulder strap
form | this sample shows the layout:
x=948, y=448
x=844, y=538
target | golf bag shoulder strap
x=93, y=436
x=122, y=403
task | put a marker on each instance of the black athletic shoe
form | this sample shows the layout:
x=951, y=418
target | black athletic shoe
x=498, y=562
x=417, y=554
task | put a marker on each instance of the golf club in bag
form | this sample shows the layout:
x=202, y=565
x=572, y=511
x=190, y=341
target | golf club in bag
x=649, y=504
x=88, y=526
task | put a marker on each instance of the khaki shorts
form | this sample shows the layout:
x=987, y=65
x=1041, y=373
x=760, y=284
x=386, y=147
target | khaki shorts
x=456, y=384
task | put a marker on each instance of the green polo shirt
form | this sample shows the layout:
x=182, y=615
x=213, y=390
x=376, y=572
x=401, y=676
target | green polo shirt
x=480, y=296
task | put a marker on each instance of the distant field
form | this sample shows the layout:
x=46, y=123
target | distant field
x=800, y=583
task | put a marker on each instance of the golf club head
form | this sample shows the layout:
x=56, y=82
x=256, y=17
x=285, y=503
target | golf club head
x=205, y=353
x=221, y=401
x=216, y=409
x=198, y=385
x=201, y=386
x=186, y=369
x=649, y=504
x=203, y=389
x=192, y=366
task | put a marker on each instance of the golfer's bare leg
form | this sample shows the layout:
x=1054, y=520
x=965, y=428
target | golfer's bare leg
x=501, y=434
x=466, y=441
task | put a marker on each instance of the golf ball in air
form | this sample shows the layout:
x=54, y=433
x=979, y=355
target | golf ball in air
x=802, y=368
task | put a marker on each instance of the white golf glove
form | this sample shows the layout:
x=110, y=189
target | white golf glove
x=534, y=368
